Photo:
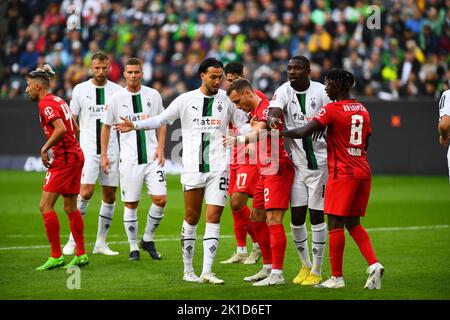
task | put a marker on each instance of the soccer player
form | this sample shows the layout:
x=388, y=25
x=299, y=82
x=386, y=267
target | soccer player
x=244, y=176
x=141, y=157
x=64, y=169
x=271, y=198
x=298, y=100
x=348, y=185
x=444, y=123
x=89, y=100
x=205, y=115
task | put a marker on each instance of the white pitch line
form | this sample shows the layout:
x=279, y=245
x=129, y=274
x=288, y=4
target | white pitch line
x=225, y=236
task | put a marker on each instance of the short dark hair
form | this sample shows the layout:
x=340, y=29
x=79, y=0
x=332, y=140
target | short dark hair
x=343, y=79
x=209, y=62
x=44, y=75
x=99, y=55
x=234, y=68
x=304, y=60
x=239, y=85
x=133, y=62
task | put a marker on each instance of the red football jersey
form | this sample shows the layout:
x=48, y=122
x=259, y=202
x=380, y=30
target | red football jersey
x=265, y=152
x=51, y=108
x=348, y=125
x=238, y=155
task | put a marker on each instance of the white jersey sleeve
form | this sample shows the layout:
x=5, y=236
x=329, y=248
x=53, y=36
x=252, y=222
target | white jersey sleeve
x=167, y=116
x=279, y=99
x=444, y=104
x=75, y=105
x=109, y=117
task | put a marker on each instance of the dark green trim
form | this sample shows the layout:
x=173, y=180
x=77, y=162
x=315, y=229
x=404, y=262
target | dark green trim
x=307, y=142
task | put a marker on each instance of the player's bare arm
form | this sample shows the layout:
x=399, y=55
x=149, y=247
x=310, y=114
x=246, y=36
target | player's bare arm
x=444, y=130
x=159, y=153
x=104, y=141
x=58, y=133
x=251, y=137
x=274, y=118
x=305, y=131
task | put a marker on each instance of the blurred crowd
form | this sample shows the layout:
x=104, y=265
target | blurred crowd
x=394, y=48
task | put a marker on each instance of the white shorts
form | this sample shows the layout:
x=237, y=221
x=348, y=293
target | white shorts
x=308, y=188
x=133, y=176
x=215, y=185
x=93, y=171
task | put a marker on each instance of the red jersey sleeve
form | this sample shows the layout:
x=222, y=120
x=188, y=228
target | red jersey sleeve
x=263, y=111
x=325, y=115
x=49, y=111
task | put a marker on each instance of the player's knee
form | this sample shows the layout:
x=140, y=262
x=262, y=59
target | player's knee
x=86, y=195
x=192, y=216
x=236, y=204
x=159, y=201
x=43, y=208
x=316, y=216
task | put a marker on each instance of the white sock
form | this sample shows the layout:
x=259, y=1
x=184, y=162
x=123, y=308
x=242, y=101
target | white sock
x=241, y=250
x=267, y=266
x=300, y=236
x=188, y=236
x=277, y=271
x=319, y=238
x=155, y=215
x=130, y=220
x=104, y=222
x=82, y=207
x=210, y=245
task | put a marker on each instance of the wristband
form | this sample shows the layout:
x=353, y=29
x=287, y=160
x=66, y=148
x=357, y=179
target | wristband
x=135, y=126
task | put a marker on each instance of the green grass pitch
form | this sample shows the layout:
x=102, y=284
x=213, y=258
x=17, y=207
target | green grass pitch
x=408, y=221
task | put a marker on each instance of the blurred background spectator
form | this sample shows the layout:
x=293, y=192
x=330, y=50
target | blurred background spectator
x=407, y=56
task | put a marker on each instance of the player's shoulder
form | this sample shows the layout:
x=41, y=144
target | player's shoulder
x=82, y=86
x=285, y=87
x=112, y=85
x=222, y=94
x=315, y=85
x=149, y=90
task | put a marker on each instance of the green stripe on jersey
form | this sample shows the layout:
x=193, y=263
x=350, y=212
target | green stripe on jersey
x=140, y=134
x=307, y=142
x=98, y=131
x=206, y=137
x=100, y=96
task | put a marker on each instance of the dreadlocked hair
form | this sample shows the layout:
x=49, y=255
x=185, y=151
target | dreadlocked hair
x=344, y=80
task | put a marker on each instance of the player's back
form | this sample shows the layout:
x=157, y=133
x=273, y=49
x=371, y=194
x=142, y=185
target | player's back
x=348, y=126
x=52, y=107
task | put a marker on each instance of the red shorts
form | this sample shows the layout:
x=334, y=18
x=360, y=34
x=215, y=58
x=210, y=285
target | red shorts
x=347, y=197
x=65, y=179
x=274, y=191
x=244, y=179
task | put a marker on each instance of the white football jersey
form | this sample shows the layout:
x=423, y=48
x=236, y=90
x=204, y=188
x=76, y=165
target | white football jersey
x=298, y=109
x=204, y=121
x=135, y=146
x=88, y=103
x=444, y=104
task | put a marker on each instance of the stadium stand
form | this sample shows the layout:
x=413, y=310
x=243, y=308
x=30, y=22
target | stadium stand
x=407, y=55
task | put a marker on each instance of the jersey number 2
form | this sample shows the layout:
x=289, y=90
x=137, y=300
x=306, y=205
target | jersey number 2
x=356, y=130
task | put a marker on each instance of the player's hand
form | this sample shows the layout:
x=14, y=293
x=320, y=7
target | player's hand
x=124, y=126
x=275, y=122
x=45, y=158
x=228, y=141
x=105, y=164
x=250, y=149
x=159, y=154
x=254, y=122
x=444, y=141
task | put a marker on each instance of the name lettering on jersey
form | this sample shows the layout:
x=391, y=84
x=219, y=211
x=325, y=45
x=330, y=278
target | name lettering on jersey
x=354, y=107
x=137, y=117
x=355, y=152
x=206, y=124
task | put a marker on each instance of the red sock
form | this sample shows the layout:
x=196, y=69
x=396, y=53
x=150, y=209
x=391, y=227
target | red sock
x=77, y=228
x=263, y=238
x=337, y=244
x=277, y=245
x=51, y=224
x=239, y=226
x=362, y=239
